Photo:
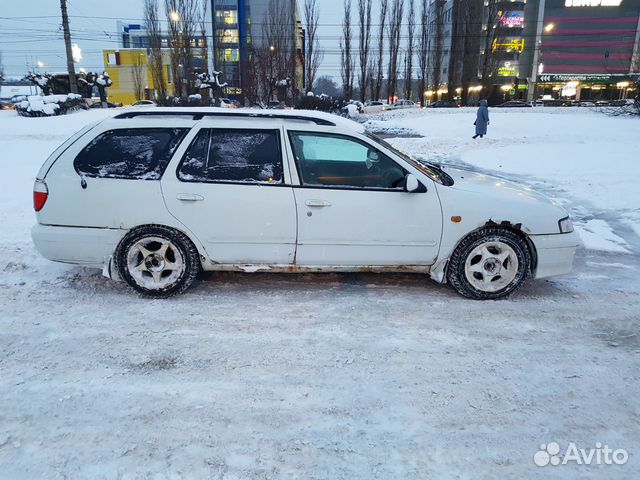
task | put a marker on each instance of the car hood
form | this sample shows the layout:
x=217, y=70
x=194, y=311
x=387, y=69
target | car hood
x=485, y=197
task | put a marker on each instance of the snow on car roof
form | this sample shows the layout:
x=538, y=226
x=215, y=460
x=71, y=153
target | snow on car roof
x=311, y=115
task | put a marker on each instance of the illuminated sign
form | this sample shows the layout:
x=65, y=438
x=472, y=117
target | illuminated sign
x=512, y=19
x=508, y=69
x=592, y=3
x=509, y=45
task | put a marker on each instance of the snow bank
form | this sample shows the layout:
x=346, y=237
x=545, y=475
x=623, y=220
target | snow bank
x=50, y=105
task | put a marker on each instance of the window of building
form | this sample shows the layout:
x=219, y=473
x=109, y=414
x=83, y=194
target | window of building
x=132, y=153
x=338, y=161
x=231, y=55
x=229, y=35
x=243, y=156
x=230, y=17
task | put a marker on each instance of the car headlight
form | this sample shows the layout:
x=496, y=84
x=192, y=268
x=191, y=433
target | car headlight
x=565, y=225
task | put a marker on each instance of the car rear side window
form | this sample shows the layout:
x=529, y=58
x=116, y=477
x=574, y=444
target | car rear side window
x=238, y=155
x=132, y=153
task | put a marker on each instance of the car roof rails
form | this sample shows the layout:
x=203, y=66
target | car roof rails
x=200, y=115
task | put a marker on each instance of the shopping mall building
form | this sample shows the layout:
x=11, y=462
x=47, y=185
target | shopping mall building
x=581, y=49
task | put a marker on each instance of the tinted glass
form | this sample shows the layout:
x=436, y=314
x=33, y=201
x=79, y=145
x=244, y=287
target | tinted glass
x=140, y=153
x=338, y=161
x=246, y=156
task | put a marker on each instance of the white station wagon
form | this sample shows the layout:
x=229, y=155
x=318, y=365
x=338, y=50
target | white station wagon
x=155, y=196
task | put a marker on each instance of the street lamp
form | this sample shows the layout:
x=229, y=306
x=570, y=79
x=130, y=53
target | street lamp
x=549, y=27
x=174, y=16
x=40, y=64
x=76, y=53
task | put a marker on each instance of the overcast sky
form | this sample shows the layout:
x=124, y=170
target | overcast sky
x=36, y=35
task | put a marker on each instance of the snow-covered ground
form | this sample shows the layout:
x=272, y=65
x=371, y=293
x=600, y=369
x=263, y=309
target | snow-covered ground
x=333, y=376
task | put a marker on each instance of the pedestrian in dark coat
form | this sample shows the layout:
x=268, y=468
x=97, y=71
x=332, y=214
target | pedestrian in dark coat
x=482, y=120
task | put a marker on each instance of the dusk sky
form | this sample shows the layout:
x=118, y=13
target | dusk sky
x=34, y=33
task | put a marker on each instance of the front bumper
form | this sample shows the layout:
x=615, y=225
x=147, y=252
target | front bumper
x=555, y=253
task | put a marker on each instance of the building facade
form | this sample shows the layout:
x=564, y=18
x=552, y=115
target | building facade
x=570, y=49
x=584, y=49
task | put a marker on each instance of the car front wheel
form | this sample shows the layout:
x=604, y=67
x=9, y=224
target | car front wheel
x=157, y=261
x=490, y=263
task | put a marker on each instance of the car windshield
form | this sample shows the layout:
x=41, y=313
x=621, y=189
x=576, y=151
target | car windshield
x=433, y=171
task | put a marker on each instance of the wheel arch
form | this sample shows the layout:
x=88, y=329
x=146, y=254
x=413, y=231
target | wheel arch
x=196, y=244
x=516, y=228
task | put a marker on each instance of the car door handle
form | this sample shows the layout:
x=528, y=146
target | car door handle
x=189, y=197
x=317, y=203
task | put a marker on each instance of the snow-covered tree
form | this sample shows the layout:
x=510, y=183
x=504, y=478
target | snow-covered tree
x=42, y=80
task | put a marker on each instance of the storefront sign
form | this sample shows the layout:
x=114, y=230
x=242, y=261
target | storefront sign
x=512, y=19
x=592, y=3
x=508, y=69
x=560, y=78
x=509, y=44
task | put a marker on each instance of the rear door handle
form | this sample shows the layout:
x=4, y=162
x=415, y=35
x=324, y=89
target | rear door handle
x=317, y=203
x=189, y=197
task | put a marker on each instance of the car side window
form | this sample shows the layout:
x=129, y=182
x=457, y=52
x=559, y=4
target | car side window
x=339, y=161
x=238, y=155
x=131, y=153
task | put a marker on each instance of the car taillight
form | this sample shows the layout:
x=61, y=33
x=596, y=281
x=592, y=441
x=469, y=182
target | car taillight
x=40, y=195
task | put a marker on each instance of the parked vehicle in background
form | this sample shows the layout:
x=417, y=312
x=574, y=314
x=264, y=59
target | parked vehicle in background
x=586, y=104
x=536, y=103
x=144, y=103
x=374, y=107
x=603, y=103
x=402, y=104
x=275, y=105
x=514, y=104
x=155, y=196
x=625, y=102
x=6, y=104
x=443, y=104
x=109, y=105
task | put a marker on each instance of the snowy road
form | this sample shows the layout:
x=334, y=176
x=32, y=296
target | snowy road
x=326, y=376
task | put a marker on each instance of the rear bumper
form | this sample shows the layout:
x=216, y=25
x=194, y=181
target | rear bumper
x=555, y=253
x=82, y=246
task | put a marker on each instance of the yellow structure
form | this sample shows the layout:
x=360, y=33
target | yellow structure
x=127, y=64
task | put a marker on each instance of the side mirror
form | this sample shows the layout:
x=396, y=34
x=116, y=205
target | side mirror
x=411, y=183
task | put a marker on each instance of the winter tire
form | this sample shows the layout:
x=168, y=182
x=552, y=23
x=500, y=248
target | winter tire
x=490, y=263
x=157, y=261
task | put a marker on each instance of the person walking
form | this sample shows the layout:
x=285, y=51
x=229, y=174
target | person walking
x=482, y=120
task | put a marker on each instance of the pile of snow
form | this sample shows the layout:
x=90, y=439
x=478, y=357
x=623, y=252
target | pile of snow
x=50, y=105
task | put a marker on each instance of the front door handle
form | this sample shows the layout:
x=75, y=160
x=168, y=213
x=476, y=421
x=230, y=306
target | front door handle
x=317, y=203
x=189, y=197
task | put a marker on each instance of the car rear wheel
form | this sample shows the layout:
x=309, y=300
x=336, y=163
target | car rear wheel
x=490, y=263
x=157, y=261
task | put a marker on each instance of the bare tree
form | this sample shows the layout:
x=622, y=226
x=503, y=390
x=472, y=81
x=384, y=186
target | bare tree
x=364, y=25
x=438, y=44
x=152, y=21
x=455, y=49
x=471, y=12
x=138, y=74
x=408, y=71
x=314, y=55
x=379, y=62
x=394, y=30
x=204, y=50
x=490, y=60
x=182, y=16
x=272, y=58
x=423, y=49
x=346, y=52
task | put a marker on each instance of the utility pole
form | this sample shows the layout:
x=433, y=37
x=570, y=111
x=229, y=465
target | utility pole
x=67, y=43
